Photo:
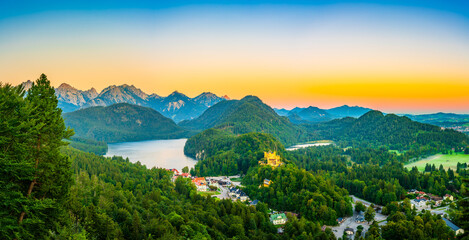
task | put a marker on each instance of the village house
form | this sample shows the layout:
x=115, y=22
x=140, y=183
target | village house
x=453, y=227
x=419, y=203
x=266, y=182
x=278, y=219
x=349, y=231
x=237, y=194
x=243, y=197
x=437, y=199
x=360, y=218
x=201, y=184
x=448, y=197
x=177, y=174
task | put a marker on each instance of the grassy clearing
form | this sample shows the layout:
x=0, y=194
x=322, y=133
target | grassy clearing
x=448, y=161
x=210, y=193
x=397, y=152
x=236, y=179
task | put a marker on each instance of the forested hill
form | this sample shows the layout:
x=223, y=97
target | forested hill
x=249, y=114
x=376, y=129
x=122, y=122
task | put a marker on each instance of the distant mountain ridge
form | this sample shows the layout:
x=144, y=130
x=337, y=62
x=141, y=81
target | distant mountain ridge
x=176, y=106
x=376, y=129
x=247, y=115
x=315, y=114
x=440, y=117
x=122, y=122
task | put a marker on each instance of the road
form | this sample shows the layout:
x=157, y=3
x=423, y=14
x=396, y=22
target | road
x=350, y=221
x=224, y=189
x=440, y=211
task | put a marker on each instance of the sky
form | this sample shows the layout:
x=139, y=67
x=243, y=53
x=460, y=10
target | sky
x=395, y=56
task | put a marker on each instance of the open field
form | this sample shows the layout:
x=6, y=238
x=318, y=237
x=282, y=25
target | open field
x=397, y=152
x=209, y=193
x=448, y=161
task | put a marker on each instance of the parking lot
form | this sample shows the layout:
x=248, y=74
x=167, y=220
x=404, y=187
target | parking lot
x=350, y=221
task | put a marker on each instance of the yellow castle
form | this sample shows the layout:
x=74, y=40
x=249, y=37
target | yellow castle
x=272, y=159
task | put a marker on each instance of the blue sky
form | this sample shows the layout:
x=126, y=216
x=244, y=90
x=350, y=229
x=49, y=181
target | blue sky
x=396, y=56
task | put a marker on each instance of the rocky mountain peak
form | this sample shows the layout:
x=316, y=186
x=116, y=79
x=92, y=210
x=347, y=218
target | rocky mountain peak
x=66, y=86
x=27, y=85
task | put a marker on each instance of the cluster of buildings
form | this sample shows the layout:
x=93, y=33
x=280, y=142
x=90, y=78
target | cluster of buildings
x=177, y=174
x=237, y=194
x=202, y=184
x=423, y=200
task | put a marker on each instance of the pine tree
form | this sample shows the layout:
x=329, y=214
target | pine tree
x=15, y=140
x=51, y=177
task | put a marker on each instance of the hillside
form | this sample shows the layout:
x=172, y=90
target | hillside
x=438, y=118
x=309, y=114
x=376, y=129
x=122, y=122
x=347, y=111
x=249, y=114
x=314, y=114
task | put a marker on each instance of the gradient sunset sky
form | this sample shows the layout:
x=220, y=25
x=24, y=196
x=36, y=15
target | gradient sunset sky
x=395, y=56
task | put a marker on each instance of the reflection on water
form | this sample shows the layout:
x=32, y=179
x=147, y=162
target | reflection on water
x=154, y=153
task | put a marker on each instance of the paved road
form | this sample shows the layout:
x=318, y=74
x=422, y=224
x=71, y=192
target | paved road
x=223, y=194
x=350, y=221
x=440, y=211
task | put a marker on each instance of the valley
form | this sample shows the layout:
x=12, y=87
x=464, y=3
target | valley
x=446, y=160
x=131, y=172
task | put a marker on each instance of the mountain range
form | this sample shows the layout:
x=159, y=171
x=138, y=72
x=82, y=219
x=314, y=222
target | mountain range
x=377, y=129
x=249, y=114
x=176, y=106
x=440, y=118
x=315, y=114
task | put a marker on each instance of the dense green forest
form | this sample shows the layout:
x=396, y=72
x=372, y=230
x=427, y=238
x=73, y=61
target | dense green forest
x=294, y=189
x=69, y=194
x=52, y=191
x=249, y=114
x=88, y=145
x=374, y=129
x=229, y=155
x=379, y=184
x=122, y=122
x=113, y=198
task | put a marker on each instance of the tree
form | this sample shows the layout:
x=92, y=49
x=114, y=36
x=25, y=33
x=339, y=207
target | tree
x=359, y=207
x=185, y=169
x=466, y=151
x=50, y=176
x=370, y=214
x=16, y=130
x=464, y=206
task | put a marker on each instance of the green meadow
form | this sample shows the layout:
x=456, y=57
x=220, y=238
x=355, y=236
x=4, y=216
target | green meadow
x=448, y=161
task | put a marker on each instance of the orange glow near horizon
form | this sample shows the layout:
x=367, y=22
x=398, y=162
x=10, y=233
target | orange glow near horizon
x=391, y=59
